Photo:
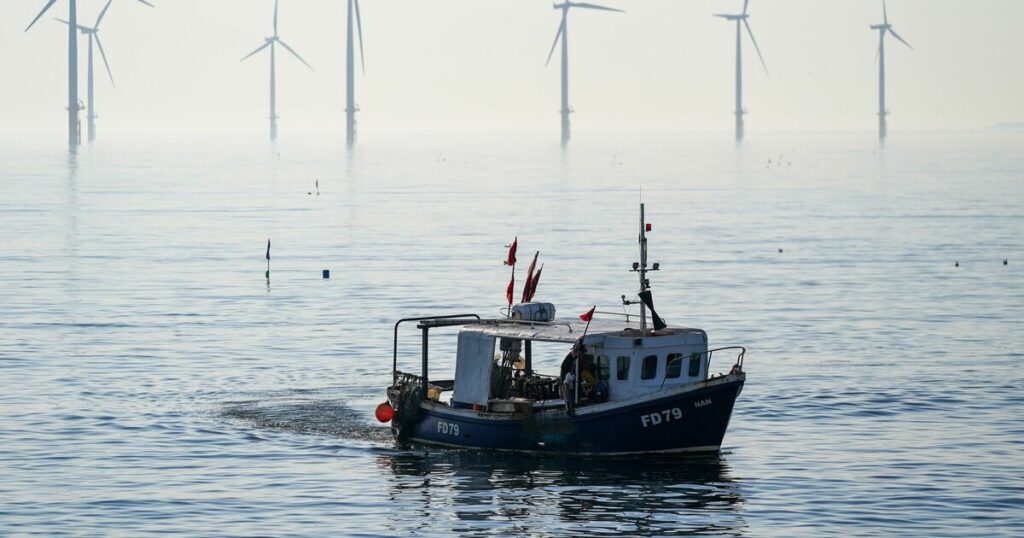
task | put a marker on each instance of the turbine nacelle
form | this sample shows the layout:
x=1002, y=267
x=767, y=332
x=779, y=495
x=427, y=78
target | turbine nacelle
x=565, y=13
x=742, y=18
x=885, y=27
x=267, y=41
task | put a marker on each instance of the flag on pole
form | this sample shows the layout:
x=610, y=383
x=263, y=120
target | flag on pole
x=268, y=249
x=589, y=315
x=527, y=292
x=648, y=300
x=533, y=284
x=512, y=252
x=508, y=292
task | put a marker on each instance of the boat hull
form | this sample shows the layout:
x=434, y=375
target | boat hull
x=690, y=419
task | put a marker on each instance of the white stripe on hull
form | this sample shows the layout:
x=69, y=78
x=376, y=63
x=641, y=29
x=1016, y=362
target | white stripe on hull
x=710, y=448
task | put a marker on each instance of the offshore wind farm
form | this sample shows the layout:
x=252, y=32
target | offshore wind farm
x=209, y=330
x=353, y=38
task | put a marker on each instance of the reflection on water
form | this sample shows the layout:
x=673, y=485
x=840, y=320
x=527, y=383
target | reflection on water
x=559, y=496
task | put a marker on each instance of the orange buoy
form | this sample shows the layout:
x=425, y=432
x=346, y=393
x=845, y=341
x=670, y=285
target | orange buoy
x=385, y=412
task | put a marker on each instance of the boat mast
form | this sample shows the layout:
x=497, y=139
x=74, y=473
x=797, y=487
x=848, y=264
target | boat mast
x=643, y=271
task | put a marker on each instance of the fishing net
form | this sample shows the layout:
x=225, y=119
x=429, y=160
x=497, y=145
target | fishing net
x=406, y=396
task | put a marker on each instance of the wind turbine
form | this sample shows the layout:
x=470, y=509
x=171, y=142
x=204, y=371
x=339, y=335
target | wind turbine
x=562, y=33
x=94, y=36
x=272, y=42
x=884, y=28
x=350, y=84
x=74, y=134
x=741, y=19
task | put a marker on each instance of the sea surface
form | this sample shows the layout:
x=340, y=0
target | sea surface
x=153, y=382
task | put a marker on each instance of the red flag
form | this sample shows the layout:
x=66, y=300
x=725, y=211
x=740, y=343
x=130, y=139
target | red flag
x=589, y=315
x=533, y=285
x=512, y=253
x=508, y=292
x=527, y=289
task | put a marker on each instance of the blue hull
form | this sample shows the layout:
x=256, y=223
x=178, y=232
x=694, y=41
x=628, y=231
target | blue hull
x=689, y=419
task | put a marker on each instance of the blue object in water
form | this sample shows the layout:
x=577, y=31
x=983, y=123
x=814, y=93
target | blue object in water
x=327, y=273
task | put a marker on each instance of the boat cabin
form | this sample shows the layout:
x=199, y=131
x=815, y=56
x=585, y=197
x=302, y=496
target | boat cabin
x=608, y=361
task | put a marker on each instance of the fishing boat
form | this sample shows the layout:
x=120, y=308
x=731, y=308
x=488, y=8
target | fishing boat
x=627, y=384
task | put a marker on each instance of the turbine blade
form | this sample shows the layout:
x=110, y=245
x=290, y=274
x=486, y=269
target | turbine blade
x=147, y=3
x=261, y=47
x=296, y=54
x=885, y=14
x=103, y=55
x=558, y=34
x=897, y=36
x=878, y=52
x=588, y=5
x=758, y=49
x=745, y=2
x=359, y=25
x=724, y=16
x=102, y=14
x=275, y=18
x=44, y=10
x=79, y=26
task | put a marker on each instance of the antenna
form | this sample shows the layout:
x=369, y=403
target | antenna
x=643, y=271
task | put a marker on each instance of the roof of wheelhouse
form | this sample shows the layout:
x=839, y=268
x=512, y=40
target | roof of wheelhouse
x=565, y=330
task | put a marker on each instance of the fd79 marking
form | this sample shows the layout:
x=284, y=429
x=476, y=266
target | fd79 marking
x=668, y=415
x=447, y=428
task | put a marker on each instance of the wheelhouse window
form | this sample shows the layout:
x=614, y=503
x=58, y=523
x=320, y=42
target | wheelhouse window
x=694, y=365
x=649, y=368
x=673, y=365
x=622, y=368
x=603, y=367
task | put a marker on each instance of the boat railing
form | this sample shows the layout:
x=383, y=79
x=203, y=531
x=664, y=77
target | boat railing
x=630, y=318
x=451, y=319
x=737, y=366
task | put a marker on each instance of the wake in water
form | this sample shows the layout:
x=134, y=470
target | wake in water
x=308, y=412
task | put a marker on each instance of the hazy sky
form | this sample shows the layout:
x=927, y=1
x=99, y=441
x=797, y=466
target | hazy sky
x=479, y=64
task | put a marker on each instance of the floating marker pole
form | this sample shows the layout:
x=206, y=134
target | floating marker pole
x=268, y=259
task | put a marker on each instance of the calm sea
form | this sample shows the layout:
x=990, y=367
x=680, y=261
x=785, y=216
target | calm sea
x=152, y=382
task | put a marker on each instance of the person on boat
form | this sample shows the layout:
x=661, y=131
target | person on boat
x=569, y=391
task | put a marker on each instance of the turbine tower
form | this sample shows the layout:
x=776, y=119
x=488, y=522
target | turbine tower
x=94, y=36
x=884, y=28
x=741, y=19
x=74, y=133
x=350, y=62
x=272, y=42
x=562, y=34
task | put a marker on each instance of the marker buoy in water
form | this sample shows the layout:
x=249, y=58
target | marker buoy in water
x=385, y=412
